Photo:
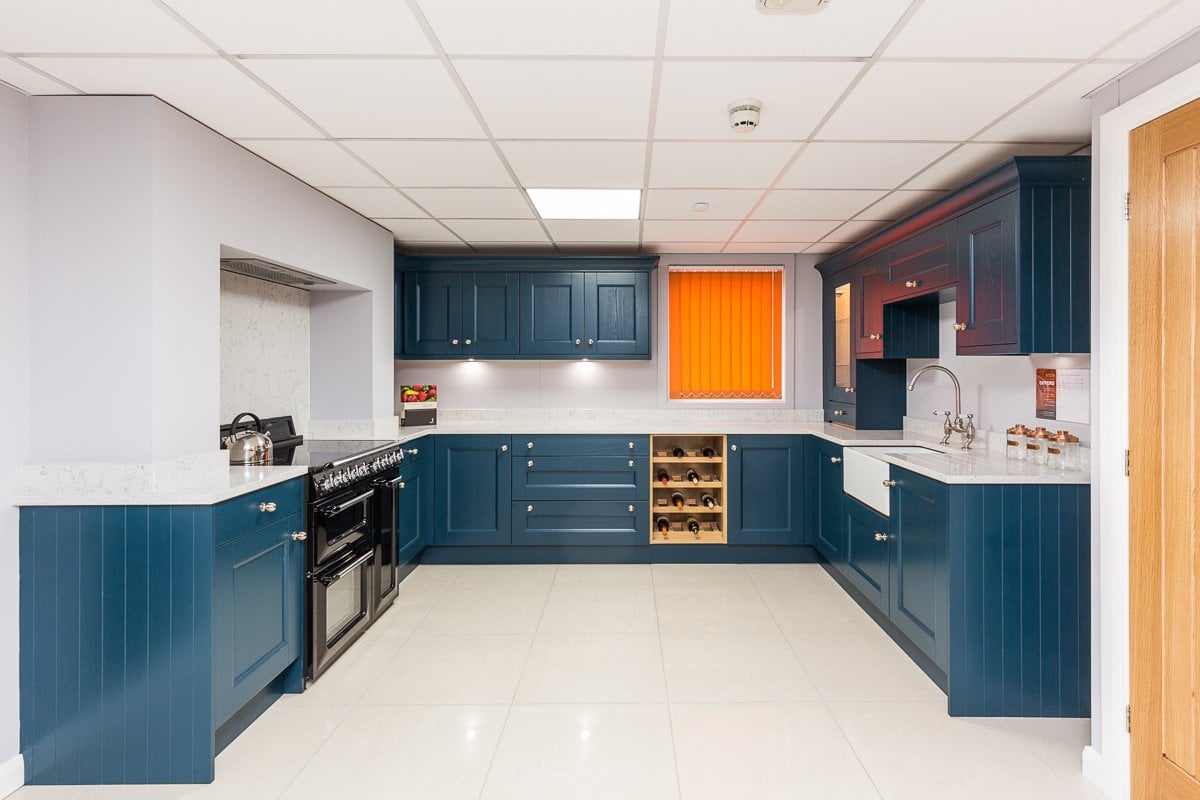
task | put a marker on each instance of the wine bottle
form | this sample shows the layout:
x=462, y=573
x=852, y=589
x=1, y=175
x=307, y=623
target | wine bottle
x=693, y=476
x=708, y=500
x=708, y=452
x=663, y=524
x=679, y=452
x=693, y=525
x=664, y=477
x=677, y=499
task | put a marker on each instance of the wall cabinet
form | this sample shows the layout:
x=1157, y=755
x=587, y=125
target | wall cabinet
x=867, y=309
x=460, y=314
x=919, y=265
x=765, y=493
x=472, y=490
x=585, y=315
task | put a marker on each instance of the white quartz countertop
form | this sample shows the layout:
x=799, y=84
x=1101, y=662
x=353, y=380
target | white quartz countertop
x=219, y=484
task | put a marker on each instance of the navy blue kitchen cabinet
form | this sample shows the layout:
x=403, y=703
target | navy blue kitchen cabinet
x=585, y=315
x=867, y=564
x=825, y=498
x=867, y=309
x=472, y=490
x=552, y=314
x=460, y=314
x=919, y=265
x=152, y=635
x=765, y=489
x=415, y=513
x=580, y=477
x=587, y=522
x=919, y=588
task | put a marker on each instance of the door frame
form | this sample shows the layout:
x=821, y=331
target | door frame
x=1106, y=761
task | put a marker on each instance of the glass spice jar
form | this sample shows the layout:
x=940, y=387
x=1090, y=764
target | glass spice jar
x=1056, y=447
x=1015, y=442
x=1070, y=448
x=1035, y=447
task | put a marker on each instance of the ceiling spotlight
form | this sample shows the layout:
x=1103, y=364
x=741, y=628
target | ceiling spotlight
x=743, y=114
x=700, y=207
x=791, y=6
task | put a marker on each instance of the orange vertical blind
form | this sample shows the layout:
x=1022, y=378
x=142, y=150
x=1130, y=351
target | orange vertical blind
x=725, y=334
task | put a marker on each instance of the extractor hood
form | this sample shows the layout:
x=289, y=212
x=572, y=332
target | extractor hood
x=273, y=273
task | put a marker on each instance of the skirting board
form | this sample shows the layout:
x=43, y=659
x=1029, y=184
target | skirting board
x=1093, y=769
x=12, y=775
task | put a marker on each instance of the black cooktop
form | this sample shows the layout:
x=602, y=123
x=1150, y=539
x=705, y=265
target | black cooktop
x=318, y=453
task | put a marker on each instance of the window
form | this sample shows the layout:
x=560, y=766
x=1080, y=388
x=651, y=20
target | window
x=725, y=334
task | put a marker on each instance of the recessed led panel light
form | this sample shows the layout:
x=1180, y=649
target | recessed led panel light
x=587, y=203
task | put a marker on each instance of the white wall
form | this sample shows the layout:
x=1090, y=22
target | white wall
x=264, y=350
x=628, y=384
x=14, y=402
x=132, y=201
x=998, y=390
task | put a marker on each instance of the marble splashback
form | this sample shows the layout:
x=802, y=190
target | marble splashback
x=264, y=350
x=663, y=417
x=382, y=428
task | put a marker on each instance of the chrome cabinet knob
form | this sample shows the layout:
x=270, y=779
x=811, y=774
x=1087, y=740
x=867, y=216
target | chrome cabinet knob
x=529, y=508
x=468, y=341
x=631, y=463
x=401, y=485
x=874, y=336
x=839, y=413
x=591, y=342
x=889, y=483
x=454, y=341
x=412, y=452
x=299, y=536
x=733, y=448
x=911, y=284
x=881, y=537
x=960, y=326
x=631, y=445
x=835, y=459
x=529, y=445
x=503, y=448
x=578, y=342
x=529, y=463
x=631, y=508
x=267, y=508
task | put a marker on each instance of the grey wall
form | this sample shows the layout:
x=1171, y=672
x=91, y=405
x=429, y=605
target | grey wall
x=14, y=395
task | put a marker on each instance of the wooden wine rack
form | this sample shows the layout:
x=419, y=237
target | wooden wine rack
x=712, y=480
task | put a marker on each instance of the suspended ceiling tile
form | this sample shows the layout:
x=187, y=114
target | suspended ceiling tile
x=853, y=231
x=898, y=204
x=784, y=231
x=1165, y=29
x=729, y=165
x=209, y=89
x=795, y=96
x=474, y=203
x=860, y=165
x=435, y=164
x=986, y=29
x=681, y=230
x=498, y=230
x=27, y=79
x=631, y=246
x=316, y=162
x=781, y=248
x=514, y=247
x=736, y=28
x=935, y=101
x=363, y=98
x=722, y=203
x=306, y=26
x=593, y=230
x=385, y=202
x=111, y=26
x=1062, y=113
x=837, y=204
x=682, y=248
x=824, y=248
x=577, y=165
x=561, y=99
x=975, y=158
x=545, y=27
x=418, y=230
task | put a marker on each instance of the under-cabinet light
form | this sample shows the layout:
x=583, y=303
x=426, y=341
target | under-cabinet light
x=587, y=203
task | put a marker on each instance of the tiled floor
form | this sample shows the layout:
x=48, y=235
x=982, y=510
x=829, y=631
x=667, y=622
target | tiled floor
x=626, y=682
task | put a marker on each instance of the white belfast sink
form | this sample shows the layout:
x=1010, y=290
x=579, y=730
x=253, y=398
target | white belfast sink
x=864, y=475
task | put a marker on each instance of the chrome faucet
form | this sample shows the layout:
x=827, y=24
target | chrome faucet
x=967, y=428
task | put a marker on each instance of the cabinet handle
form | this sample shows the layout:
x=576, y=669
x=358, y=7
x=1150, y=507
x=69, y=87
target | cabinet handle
x=835, y=459
x=960, y=326
x=529, y=463
x=881, y=537
x=631, y=445
x=414, y=451
x=468, y=341
x=401, y=485
x=578, y=342
x=733, y=448
x=631, y=509
x=849, y=390
x=529, y=445
x=911, y=284
x=454, y=341
x=591, y=342
x=889, y=484
x=631, y=463
x=874, y=336
x=267, y=508
x=529, y=509
x=839, y=413
x=299, y=536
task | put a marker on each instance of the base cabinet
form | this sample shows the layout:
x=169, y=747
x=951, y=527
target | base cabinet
x=766, y=489
x=414, y=522
x=472, y=490
x=588, y=522
x=866, y=563
x=826, y=500
x=918, y=546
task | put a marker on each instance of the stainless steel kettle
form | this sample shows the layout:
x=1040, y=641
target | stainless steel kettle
x=251, y=446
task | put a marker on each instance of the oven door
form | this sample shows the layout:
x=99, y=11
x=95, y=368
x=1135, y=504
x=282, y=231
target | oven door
x=341, y=521
x=387, y=540
x=340, y=602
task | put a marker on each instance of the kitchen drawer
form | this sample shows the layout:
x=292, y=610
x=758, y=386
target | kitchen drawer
x=243, y=514
x=920, y=265
x=590, y=522
x=570, y=445
x=841, y=413
x=580, y=477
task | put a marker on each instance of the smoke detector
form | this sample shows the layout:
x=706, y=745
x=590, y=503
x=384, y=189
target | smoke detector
x=743, y=114
x=790, y=6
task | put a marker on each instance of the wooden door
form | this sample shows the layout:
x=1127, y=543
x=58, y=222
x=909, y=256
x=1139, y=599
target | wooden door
x=1164, y=492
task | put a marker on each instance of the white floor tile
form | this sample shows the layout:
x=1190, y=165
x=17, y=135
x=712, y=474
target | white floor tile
x=473, y=669
x=487, y=609
x=1059, y=743
x=593, y=668
x=701, y=576
x=348, y=679
x=523, y=576
x=862, y=667
x=404, y=751
x=725, y=606
x=914, y=751
x=583, y=606
x=706, y=668
x=814, y=605
x=602, y=574
x=584, y=752
x=763, y=751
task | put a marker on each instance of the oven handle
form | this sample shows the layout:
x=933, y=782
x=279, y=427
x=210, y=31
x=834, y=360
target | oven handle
x=390, y=484
x=333, y=510
x=329, y=580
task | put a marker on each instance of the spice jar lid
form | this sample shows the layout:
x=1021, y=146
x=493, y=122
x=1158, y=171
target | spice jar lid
x=1062, y=436
x=1018, y=430
x=1042, y=433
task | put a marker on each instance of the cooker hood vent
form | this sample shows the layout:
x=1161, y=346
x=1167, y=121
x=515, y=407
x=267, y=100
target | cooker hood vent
x=273, y=273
